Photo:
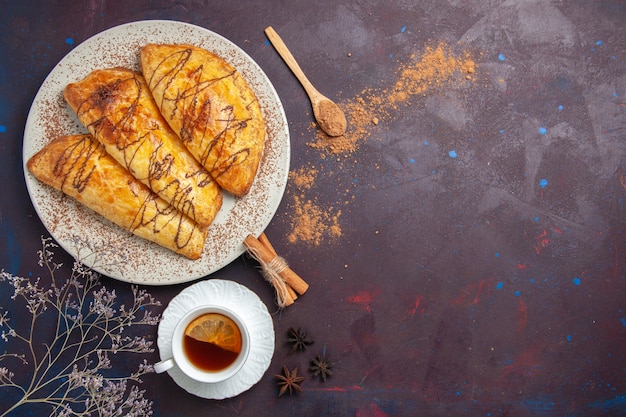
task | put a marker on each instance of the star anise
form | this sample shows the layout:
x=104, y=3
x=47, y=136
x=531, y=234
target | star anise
x=298, y=339
x=289, y=381
x=321, y=366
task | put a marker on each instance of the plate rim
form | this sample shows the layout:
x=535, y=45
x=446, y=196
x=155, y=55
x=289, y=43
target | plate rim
x=282, y=131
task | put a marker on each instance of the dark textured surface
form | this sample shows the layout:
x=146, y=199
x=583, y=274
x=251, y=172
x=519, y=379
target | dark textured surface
x=481, y=264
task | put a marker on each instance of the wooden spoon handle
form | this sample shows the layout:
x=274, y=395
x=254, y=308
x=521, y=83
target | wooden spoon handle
x=291, y=62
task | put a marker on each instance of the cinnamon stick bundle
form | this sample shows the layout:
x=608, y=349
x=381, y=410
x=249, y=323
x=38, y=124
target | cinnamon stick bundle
x=275, y=270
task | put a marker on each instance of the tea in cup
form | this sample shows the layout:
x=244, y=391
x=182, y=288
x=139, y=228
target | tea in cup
x=209, y=344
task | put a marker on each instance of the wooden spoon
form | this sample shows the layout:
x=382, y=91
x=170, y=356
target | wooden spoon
x=329, y=116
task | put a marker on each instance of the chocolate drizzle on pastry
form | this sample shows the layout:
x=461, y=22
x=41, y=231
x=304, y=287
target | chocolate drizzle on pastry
x=211, y=108
x=80, y=167
x=196, y=111
x=116, y=107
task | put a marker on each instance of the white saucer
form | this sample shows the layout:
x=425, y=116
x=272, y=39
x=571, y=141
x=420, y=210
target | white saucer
x=252, y=311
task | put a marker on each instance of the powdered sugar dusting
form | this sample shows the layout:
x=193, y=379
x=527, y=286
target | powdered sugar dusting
x=116, y=252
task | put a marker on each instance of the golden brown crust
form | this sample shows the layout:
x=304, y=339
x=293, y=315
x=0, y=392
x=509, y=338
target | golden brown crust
x=80, y=167
x=211, y=107
x=118, y=110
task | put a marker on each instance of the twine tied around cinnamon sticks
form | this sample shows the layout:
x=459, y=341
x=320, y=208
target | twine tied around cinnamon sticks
x=276, y=271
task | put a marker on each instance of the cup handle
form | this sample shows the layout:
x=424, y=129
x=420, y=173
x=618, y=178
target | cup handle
x=164, y=365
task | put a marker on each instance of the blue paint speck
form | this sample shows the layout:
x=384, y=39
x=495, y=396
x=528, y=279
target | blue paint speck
x=517, y=293
x=425, y=143
x=501, y=130
x=560, y=107
x=543, y=183
x=532, y=280
x=411, y=160
x=536, y=219
x=501, y=57
x=623, y=321
x=576, y=281
x=452, y=154
x=499, y=285
x=543, y=130
x=69, y=41
x=610, y=404
x=403, y=29
x=599, y=42
x=497, y=254
x=3, y=128
x=569, y=338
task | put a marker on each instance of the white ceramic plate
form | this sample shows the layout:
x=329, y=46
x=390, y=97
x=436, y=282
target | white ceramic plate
x=252, y=311
x=109, y=249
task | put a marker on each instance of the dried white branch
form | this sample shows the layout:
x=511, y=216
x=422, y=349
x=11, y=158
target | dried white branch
x=84, y=326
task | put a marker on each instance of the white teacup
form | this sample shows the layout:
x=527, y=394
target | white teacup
x=184, y=361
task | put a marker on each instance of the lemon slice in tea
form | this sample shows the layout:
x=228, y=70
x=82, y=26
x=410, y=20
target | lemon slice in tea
x=216, y=329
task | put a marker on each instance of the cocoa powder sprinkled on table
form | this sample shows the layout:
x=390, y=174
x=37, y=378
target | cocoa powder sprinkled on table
x=303, y=178
x=310, y=223
x=438, y=67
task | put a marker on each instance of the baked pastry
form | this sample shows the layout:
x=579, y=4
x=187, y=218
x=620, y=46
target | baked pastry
x=79, y=166
x=118, y=110
x=211, y=107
